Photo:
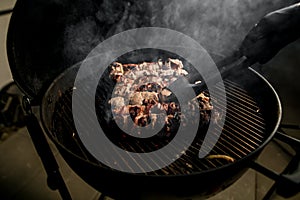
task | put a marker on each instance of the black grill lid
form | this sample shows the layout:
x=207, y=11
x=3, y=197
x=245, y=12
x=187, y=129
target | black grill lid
x=46, y=37
x=36, y=42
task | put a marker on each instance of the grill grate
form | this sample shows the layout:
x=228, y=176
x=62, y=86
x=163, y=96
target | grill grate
x=243, y=132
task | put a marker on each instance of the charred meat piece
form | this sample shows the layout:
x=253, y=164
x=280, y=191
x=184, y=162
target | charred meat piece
x=144, y=87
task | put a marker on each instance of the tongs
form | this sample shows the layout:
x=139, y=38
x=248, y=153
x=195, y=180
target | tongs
x=230, y=65
x=237, y=61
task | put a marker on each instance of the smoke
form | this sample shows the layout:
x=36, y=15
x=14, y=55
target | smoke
x=219, y=26
x=98, y=20
x=81, y=38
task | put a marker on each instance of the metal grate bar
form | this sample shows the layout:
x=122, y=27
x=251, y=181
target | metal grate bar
x=242, y=133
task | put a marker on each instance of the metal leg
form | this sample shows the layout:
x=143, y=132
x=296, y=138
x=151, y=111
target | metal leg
x=287, y=170
x=4, y=12
x=290, y=126
x=293, y=142
x=270, y=193
x=287, y=183
x=55, y=180
x=286, y=186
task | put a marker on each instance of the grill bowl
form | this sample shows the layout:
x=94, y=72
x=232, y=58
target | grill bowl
x=253, y=115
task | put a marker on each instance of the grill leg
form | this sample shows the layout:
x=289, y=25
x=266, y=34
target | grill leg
x=287, y=183
x=55, y=180
x=290, y=126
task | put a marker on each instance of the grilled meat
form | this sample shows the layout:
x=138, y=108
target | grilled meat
x=144, y=87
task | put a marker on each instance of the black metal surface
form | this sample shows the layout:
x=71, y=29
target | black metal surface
x=40, y=38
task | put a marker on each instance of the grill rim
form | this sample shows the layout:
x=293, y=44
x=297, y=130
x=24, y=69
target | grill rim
x=117, y=184
x=244, y=159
